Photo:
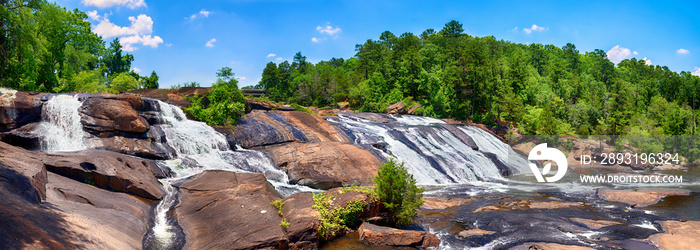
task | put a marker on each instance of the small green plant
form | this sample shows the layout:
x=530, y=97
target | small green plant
x=336, y=221
x=284, y=223
x=278, y=204
x=298, y=107
x=397, y=191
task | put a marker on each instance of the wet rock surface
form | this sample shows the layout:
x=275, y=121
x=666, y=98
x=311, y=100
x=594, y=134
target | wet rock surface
x=19, y=107
x=324, y=165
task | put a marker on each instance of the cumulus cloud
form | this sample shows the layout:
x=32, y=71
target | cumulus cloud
x=682, y=51
x=646, y=61
x=328, y=30
x=131, y=4
x=202, y=13
x=279, y=59
x=137, y=70
x=635, y=53
x=210, y=43
x=533, y=28
x=617, y=54
x=271, y=55
x=697, y=71
x=138, y=32
x=313, y=39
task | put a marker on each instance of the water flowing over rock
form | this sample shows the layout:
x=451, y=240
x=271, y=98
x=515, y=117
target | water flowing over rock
x=61, y=124
x=434, y=152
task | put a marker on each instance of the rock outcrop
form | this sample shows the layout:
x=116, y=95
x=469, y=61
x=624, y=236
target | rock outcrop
x=109, y=113
x=677, y=235
x=641, y=197
x=396, y=108
x=43, y=210
x=226, y=210
x=412, y=109
x=18, y=108
x=303, y=221
x=385, y=236
x=324, y=165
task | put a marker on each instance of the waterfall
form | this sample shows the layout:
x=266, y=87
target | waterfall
x=433, y=154
x=61, y=124
x=199, y=147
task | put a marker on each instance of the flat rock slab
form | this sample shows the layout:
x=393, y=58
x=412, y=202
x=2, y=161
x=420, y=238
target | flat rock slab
x=440, y=203
x=678, y=235
x=548, y=246
x=595, y=224
x=226, y=210
x=641, y=197
x=474, y=233
x=371, y=234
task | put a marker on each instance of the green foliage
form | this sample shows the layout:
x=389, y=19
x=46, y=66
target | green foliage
x=338, y=220
x=186, y=85
x=495, y=82
x=398, y=192
x=124, y=82
x=278, y=204
x=225, y=102
x=284, y=223
x=300, y=108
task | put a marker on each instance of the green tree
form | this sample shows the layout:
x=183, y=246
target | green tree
x=398, y=192
x=124, y=82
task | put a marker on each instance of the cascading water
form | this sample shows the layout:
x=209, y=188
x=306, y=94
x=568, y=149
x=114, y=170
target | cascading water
x=61, y=124
x=432, y=153
x=199, y=147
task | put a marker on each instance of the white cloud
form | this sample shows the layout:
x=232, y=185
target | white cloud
x=145, y=40
x=533, y=28
x=279, y=59
x=210, y=43
x=682, y=51
x=168, y=44
x=647, y=61
x=617, y=54
x=139, y=32
x=132, y=4
x=516, y=28
x=328, y=30
x=93, y=15
x=140, y=25
x=240, y=77
x=137, y=70
x=271, y=55
x=201, y=13
x=697, y=71
x=635, y=53
x=313, y=39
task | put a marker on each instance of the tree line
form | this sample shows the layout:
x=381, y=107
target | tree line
x=541, y=89
x=47, y=48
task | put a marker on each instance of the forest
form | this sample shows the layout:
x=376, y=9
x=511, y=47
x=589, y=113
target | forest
x=47, y=48
x=541, y=89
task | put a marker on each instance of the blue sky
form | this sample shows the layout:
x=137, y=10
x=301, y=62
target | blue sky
x=189, y=40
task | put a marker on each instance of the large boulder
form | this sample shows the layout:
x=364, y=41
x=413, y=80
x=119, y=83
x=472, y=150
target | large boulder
x=324, y=165
x=385, y=236
x=28, y=136
x=303, y=220
x=110, y=114
x=677, y=235
x=146, y=148
x=42, y=210
x=226, y=210
x=412, y=109
x=18, y=108
x=109, y=170
x=396, y=108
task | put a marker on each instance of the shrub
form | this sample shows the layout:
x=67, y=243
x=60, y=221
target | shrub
x=339, y=219
x=226, y=105
x=300, y=108
x=397, y=191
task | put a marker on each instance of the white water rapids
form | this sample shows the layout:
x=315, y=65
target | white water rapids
x=61, y=125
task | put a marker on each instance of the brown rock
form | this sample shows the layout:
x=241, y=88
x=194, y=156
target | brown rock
x=22, y=174
x=678, y=235
x=344, y=105
x=342, y=198
x=553, y=204
x=303, y=220
x=173, y=96
x=440, y=203
x=314, y=127
x=260, y=105
x=385, y=236
x=595, y=224
x=548, y=246
x=130, y=146
x=396, y=108
x=474, y=232
x=324, y=165
x=226, y=210
x=109, y=170
x=412, y=109
x=18, y=108
x=641, y=197
x=108, y=115
x=28, y=137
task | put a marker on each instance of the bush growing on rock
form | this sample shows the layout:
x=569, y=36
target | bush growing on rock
x=397, y=191
x=224, y=103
